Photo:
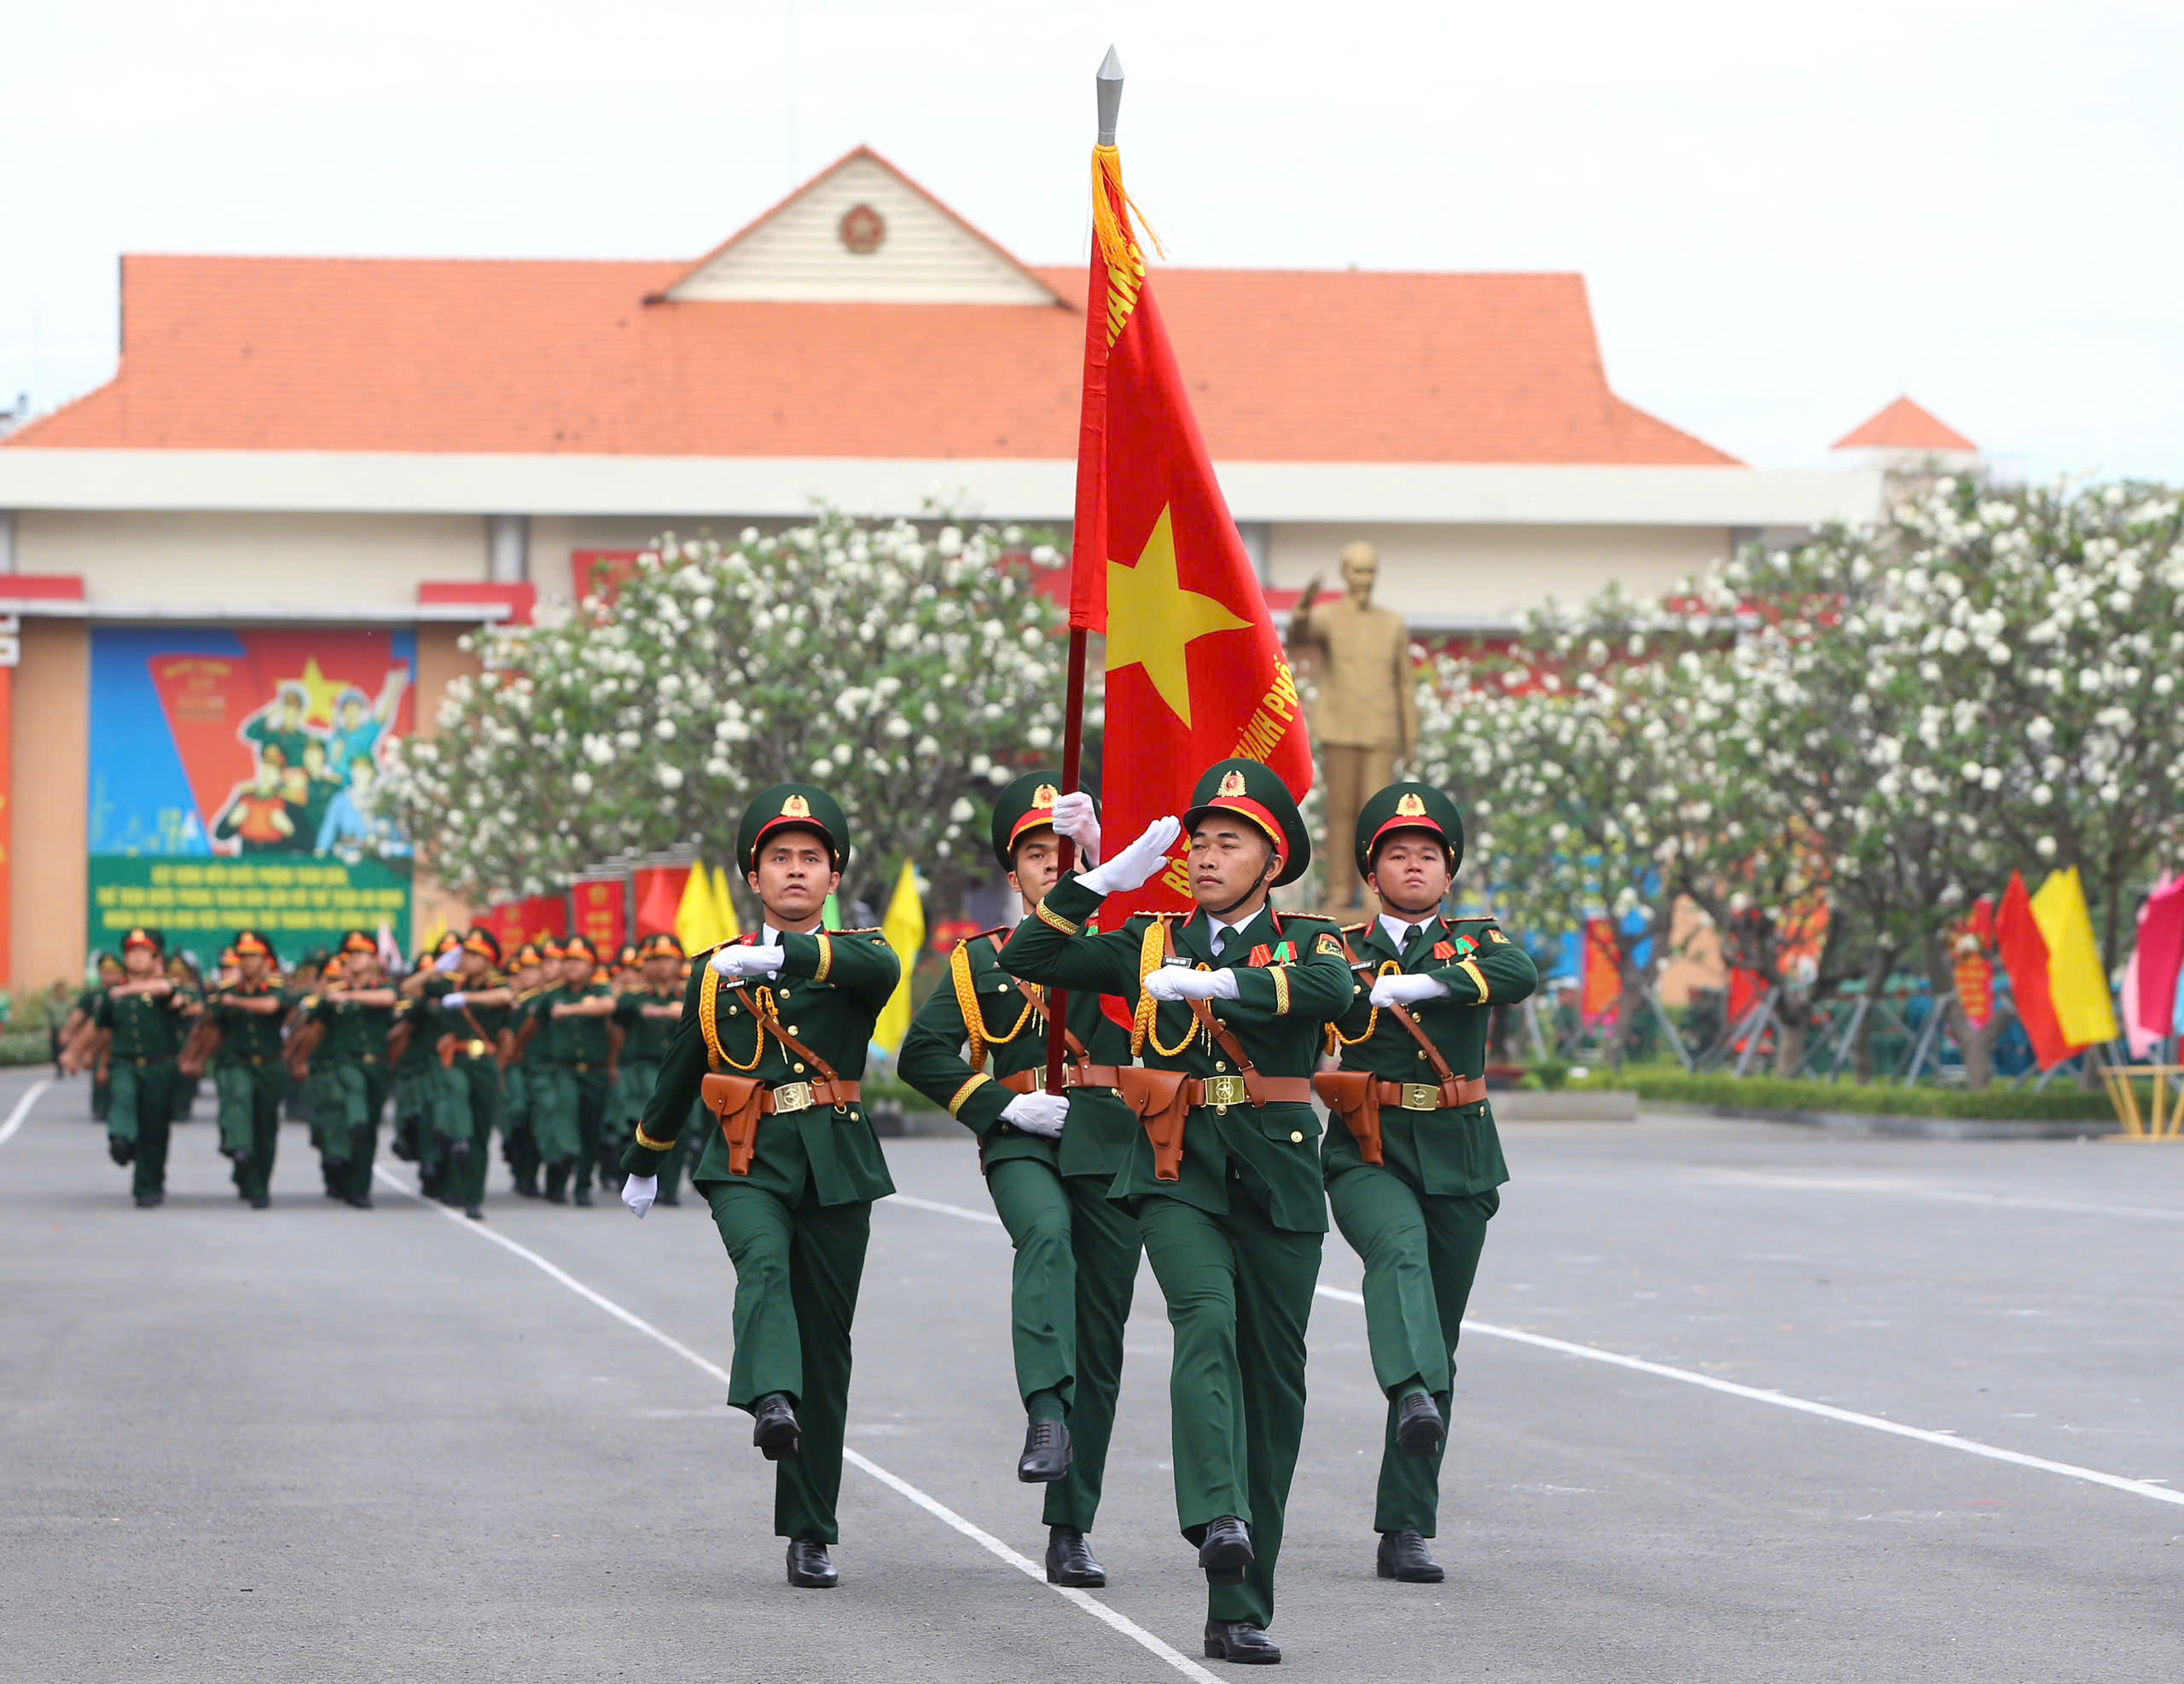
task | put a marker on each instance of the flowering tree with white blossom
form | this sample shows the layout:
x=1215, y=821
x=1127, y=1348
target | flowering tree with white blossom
x=910, y=672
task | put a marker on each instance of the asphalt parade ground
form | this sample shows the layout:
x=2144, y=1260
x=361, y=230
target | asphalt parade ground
x=1739, y=1401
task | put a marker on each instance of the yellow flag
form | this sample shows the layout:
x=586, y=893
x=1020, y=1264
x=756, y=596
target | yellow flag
x=904, y=929
x=697, y=921
x=2076, y=982
x=724, y=907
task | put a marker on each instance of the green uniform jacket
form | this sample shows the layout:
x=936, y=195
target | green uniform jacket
x=567, y=1040
x=645, y=1039
x=147, y=1027
x=491, y=1020
x=1095, y=1141
x=834, y=1016
x=1437, y=1152
x=354, y=1034
x=248, y=1037
x=1294, y=980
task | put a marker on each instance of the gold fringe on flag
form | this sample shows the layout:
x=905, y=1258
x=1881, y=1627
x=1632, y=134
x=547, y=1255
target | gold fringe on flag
x=1116, y=240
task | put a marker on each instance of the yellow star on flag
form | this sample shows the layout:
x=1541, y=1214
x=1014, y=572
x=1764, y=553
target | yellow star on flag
x=322, y=693
x=1151, y=620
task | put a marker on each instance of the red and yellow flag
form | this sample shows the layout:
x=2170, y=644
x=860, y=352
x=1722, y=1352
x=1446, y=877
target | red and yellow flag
x=1195, y=672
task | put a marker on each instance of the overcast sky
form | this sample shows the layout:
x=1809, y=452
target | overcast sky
x=1788, y=214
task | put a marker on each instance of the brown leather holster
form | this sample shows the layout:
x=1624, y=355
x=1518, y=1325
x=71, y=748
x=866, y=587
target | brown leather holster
x=739, y=1102
x=1162, y=1100
x=1354, y=1095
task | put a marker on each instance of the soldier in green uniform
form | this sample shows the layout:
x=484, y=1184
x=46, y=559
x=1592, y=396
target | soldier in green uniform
x=787, y=1016
x=519, y=1139
x=570, y=1070
x=474, y=1005
x=248, y=1073
x=144, y=1013
x=1231, y=1003
x=108, y=973
x=358, y=1015
x=416, y=1065
x=1049, y=1161
x=1413, y=1162
x=434, y=1180
x=646, y=1016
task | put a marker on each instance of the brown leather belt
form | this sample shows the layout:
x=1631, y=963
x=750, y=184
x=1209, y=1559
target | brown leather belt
x=1249, y=1088
x=1072, y=1076
x=1429, y=1095
x=791, y=1096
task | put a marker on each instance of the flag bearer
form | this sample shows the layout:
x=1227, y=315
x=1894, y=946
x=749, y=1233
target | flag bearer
x=248, y=1073
x=1048, y=1162
x=1231, y=1004
x=1418, y=1217
x=782, y=1019
x=144, y=1014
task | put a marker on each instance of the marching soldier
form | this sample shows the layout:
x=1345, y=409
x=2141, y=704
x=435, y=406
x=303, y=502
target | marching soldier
x=248, y=1073
x=358, y=1015
x=81, y=1024
x=518, y=1140
x=409, y=1044
x=571, y=1071
x=1049, y=1161
x=1231, y=1003
x=1413, y=1171
x=647, y=1015
x=143, y=1015
x=434, y=1179
x=773, y=1032
x=475, y=1007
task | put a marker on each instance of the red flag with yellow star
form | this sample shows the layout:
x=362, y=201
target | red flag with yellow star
x=1195, y=671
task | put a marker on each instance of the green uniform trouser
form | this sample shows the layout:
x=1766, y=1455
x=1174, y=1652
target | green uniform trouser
x=797, y=1270
x=250, y=1117
x=185, y=1095
x=357, y=1095
x=470, y=1105
x=102, y=1096
x=1076, y=1267
x=567, y=1101
x=1421, y=1254
x=518, y=1145
x=143, y=1110
x=688, y=1151
x=1239, y=1294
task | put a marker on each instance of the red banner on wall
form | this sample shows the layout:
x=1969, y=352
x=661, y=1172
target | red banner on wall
x=515, y=922
x=601, y=905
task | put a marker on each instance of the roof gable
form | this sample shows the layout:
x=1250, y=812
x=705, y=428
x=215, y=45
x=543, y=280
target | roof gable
x=1904, y=426
x=860, y=232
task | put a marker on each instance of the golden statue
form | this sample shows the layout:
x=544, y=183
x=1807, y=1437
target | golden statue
x=1365, y=719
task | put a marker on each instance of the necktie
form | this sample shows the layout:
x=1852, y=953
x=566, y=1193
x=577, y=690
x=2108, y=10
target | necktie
x=1410, y=933
x=1220, y=938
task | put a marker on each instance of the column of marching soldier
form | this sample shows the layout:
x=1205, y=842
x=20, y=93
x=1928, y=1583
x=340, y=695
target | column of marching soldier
x=1186, y=1131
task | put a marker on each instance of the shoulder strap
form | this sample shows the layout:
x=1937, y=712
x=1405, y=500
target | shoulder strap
x=1200, y=1009
x=1077, y=1051
x=772, y=1026
x=1401, y=1015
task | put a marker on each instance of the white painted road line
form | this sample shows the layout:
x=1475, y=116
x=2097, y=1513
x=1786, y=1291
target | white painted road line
x=23, y=1108
x=1032, y=1569
x=1896, y=1188
x=1947, y=1441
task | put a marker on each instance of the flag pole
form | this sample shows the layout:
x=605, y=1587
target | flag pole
x=1107, y=86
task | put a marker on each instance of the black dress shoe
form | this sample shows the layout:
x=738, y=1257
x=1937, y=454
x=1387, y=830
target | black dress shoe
x=259, y=1201
x=667, y=1198
x=475, y=1212
x=809, y=1566
x=363, y=1201
x=1242, y=1641
x=583, y=1197
x=1070, y=1560
x=1046, y=1453
x=146, y=1201
x=1403, y=1556
x=1420, y=1429
x=775, y=1432
x=1227, y=1553
x=122, y=1152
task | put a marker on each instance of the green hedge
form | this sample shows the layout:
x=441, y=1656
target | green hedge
x=1671, y=1086
x=25, y=1046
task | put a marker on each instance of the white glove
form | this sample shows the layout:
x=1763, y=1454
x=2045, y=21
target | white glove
x=1173, y=982
x=638, y=1192
x=1042, y=1114
x=455, y=1001
x=1400, y=990
x=1131, y=868
x=1075, y=819
x=740, y=961
x=449, y=962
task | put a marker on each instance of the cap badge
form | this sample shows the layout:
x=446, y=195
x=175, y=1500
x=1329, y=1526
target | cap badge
x=1232, y=785
x=1044, y=798
x=796, y=807
x=1411, y=806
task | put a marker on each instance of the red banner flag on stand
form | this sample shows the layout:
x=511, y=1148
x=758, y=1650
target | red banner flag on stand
x=1195, y=671
x=2024, y=956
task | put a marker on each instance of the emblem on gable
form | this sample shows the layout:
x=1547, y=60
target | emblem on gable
x=863, y=230
x=1232, y=785
x=796, y=807
x=1411, y=806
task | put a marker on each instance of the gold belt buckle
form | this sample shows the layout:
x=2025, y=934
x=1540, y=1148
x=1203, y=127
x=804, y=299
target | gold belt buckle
x=1223, y=1091
x=1420, y=1096
x=793, y=1096
x=475, y=1049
